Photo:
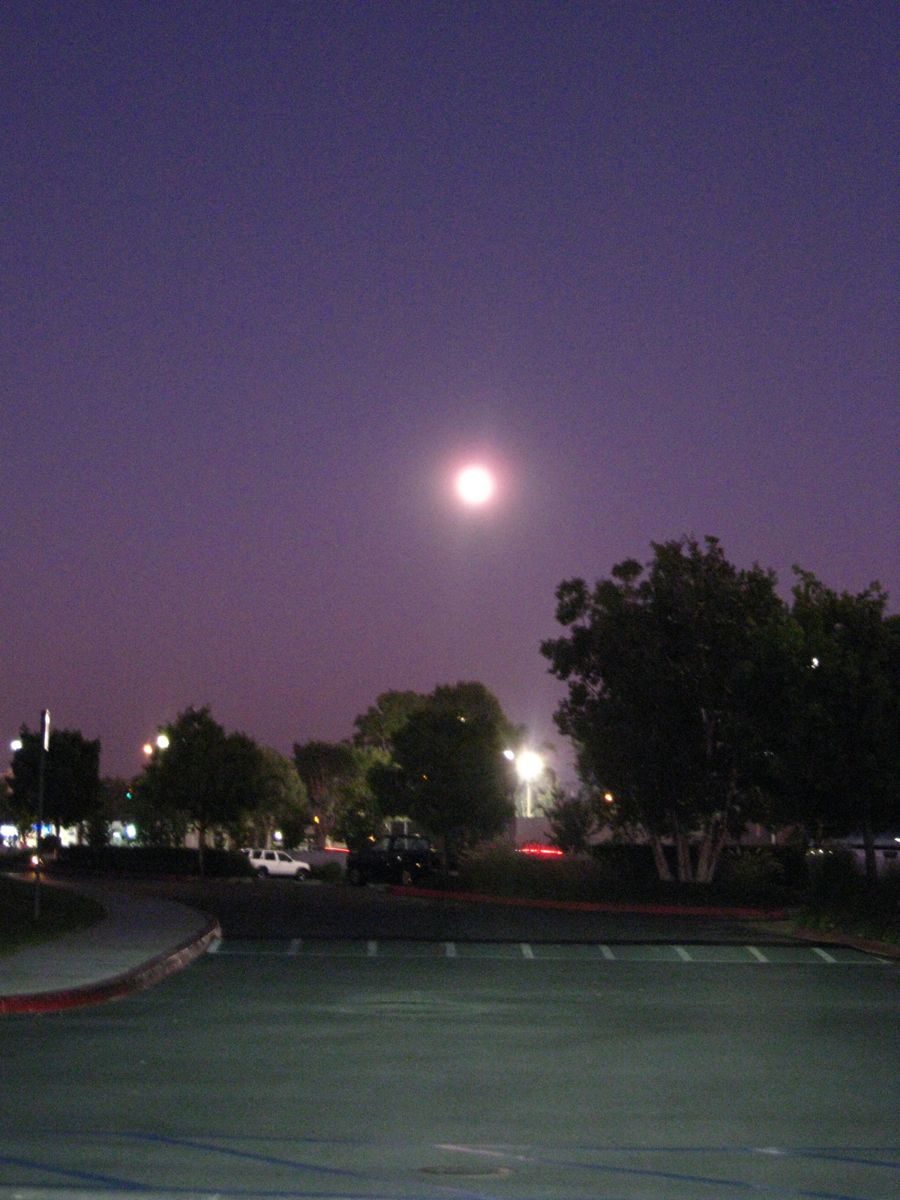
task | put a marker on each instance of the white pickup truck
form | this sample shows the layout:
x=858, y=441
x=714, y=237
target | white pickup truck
x=277, y=862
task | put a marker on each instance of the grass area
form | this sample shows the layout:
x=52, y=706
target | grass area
x=873, y=915
x=838, y=901
x=61, y=911
x=858, y=922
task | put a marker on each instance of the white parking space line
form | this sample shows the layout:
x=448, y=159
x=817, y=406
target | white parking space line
x=598, y=952
x=823, y=954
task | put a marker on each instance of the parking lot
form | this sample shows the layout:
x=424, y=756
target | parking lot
x=404, y=1069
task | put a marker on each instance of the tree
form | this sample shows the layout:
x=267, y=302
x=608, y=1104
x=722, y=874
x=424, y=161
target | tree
x=111, y=806
x=841, y=762
x=573, y=821
x=279, y=802
x=378, y=725
x=327, y=769
x=358, y=815
x=448, y=773
x=71, y=778
x=204, y=778
x=670, y=700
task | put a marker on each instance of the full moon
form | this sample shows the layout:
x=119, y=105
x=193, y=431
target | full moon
x=475, y=485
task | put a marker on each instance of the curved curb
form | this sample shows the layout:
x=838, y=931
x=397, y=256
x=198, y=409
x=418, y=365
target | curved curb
x=658, y=910
x=146, y=975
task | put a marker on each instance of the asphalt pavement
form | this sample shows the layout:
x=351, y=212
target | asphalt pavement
x=475, y=1071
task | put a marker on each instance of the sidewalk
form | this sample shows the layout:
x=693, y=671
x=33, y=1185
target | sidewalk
x=139, y=942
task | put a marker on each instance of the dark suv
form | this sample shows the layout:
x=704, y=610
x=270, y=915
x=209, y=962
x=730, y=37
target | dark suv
x=398, y=858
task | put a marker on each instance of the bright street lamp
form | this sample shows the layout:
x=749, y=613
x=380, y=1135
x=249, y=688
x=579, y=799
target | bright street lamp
x=161, y=742
x=529, y=766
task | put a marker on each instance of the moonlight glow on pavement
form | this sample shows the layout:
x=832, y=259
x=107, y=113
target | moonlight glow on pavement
x=475, y=485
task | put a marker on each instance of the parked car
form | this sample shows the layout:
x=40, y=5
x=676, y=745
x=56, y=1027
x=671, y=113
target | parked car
x=277, y=862
x=398, y=858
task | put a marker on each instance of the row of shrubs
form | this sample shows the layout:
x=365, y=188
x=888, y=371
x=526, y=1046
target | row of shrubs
x=615, y=872
x=827, y=892
x=149, y=861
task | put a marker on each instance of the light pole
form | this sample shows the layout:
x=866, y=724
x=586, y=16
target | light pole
x=43, y=751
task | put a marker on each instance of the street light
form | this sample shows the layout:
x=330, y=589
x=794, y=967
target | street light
x=160, y=742
x=529, y=766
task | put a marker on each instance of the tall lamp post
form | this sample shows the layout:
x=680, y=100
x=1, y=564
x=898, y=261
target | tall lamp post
x=43, y=751
x=529, y=766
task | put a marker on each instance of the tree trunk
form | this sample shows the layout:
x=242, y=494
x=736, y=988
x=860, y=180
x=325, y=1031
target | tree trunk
x=869, y=844
x=683, y=853
x=201, y=839
x=710, y=850
x=659, y=858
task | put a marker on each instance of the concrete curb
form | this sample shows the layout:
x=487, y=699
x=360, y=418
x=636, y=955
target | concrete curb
x=143, y=976
x=659, y=910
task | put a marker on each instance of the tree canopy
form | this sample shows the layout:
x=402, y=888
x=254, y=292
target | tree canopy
x=280, y=802
x=379, y=724
x=666, y=668
x=208, y=779
x=327, y=769
x=447, y=772
x=702, y=700
x=839, y=749
x=71, y=778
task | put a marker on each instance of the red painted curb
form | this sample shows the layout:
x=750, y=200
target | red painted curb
x=144, y=976
x=659, y=910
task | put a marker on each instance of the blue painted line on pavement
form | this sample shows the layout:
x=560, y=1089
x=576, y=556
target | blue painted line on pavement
x=684, y=1177
x=845, y=1154
x=108, y=1183
x=91, y=1177
x=289, y=1194
x=846, y=1158
x=228, y=1151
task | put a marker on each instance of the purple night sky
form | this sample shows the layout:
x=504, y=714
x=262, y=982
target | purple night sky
x=272, y=271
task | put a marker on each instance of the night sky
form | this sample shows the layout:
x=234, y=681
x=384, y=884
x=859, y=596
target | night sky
x=273, y=271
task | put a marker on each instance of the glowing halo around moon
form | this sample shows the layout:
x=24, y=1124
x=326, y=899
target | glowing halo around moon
x=475, y=485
